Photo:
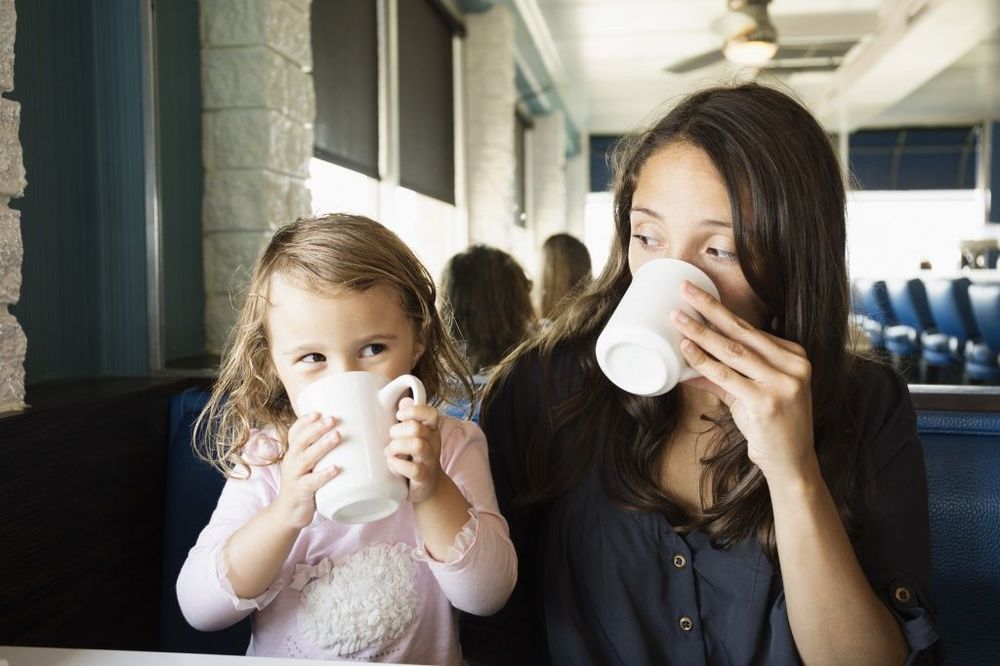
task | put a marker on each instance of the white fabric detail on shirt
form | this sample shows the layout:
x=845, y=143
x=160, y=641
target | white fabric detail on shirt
x=368, y=597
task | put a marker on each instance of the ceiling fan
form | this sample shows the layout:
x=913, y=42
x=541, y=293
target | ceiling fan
x=751, y=40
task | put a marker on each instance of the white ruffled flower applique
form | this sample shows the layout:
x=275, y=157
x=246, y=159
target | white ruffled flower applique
x=370, y=597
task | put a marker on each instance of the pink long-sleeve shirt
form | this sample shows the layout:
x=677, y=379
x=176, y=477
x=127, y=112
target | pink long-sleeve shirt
x=368, y=592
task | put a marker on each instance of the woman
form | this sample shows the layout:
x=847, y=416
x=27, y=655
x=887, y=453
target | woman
x=565, y=270
x=771, y=511
x=486, y=304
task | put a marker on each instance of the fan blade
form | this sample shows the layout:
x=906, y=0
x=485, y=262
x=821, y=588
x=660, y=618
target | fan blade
x=695, y=62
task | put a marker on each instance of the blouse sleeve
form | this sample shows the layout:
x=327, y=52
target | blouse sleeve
x=516, y=634
x=204, y=593
x=480, y=570
x=894, y=549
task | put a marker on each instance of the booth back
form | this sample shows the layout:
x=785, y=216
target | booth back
x=962, y=454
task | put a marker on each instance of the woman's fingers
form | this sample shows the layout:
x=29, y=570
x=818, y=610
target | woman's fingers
x=417, y=449
x=734, y=386
x=785, y=356
x=729, y=351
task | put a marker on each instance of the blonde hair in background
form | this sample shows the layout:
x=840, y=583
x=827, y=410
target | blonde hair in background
x=565, y=269
x=324, y=254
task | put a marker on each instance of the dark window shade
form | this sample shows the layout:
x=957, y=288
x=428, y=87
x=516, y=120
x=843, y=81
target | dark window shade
x=345, y=75
x=426, y=107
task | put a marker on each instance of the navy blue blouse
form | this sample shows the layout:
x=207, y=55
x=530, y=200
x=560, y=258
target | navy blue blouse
x=600, y=585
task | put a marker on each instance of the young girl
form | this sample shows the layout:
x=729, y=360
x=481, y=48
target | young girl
x=328, y=295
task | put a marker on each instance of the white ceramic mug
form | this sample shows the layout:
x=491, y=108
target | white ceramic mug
x=639, y=348
x=364, y=404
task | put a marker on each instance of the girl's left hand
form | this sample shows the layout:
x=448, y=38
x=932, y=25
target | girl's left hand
x=763, y=379
x=415, y=449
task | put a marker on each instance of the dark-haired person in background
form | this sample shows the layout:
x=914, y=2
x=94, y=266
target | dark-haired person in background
x=773, y=510
x=565, y=270
x=486, y=304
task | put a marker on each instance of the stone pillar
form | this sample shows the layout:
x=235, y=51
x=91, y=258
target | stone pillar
x=257, y=138
x=13, y=344
x=548, y=176
x=490, y=98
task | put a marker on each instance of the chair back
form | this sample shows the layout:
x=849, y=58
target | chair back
x=985, y=302
x=873, y=301
x=909, y=302
x=951, y=308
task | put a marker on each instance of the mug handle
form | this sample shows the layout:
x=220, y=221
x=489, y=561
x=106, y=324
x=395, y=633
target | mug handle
x=390, y=394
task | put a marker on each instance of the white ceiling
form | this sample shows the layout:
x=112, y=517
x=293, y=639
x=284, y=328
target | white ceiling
x=917, y=61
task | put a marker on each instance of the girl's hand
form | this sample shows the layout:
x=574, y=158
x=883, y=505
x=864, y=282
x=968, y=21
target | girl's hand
x=415, y=449
x=309, y=439
x=764, y=380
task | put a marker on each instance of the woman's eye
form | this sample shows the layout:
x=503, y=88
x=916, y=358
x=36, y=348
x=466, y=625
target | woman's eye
x=313, y=358
x=644, y=241
x=722, y=254
x=373, y=349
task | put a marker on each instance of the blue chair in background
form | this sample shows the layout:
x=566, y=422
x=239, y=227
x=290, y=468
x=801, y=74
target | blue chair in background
x=981, y=358
x=962, y=456
x=870, y=301
x=956, y=325
x=193, y=489
x=909, y=302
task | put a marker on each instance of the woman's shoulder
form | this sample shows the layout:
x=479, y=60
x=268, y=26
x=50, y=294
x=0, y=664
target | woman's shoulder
x=879, y=400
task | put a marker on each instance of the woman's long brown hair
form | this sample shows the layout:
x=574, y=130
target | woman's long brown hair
x=323, y=254
x=565, y=270
x=787, y=196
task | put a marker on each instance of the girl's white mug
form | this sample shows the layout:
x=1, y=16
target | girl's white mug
x=364, y=404
x=639, y=348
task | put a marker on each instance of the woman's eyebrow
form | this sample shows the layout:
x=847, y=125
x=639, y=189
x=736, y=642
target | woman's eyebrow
x=647, y=211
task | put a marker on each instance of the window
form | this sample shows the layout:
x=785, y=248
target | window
x=926, y=158
x=345, y=76
x=522, y=125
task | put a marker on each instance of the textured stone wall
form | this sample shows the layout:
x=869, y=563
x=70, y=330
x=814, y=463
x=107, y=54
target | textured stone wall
x=490, y=98
x=257, y=137
x=13, y=344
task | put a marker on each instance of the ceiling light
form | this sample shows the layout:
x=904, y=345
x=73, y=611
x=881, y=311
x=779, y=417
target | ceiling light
x=750, y=52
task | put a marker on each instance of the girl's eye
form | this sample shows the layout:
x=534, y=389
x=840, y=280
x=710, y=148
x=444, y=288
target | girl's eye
x=371, y=350
x=313, y=358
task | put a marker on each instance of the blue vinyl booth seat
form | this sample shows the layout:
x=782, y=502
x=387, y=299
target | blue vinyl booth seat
x=193, y=489
x=956, y=326
x=909, y=302
x=962, y=455
x=871, y=303
x=981, y=358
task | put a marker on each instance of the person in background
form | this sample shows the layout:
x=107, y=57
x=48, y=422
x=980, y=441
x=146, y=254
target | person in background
x=772, y=510
x=565, y=270
x=486, y=303
x=328, y=295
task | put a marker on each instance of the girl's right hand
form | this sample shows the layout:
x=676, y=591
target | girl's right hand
x=309, y=439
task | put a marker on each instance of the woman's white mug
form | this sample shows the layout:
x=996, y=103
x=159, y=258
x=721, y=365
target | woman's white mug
x=364, y=404
x=639, y=348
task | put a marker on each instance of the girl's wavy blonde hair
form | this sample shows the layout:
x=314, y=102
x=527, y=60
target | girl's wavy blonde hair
x=323, y=254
